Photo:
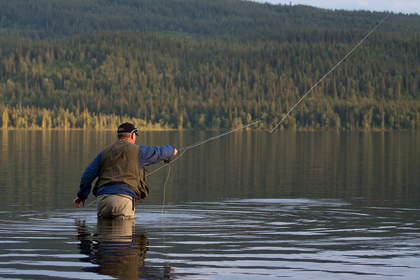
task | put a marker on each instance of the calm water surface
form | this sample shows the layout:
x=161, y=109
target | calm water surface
x=251, y=205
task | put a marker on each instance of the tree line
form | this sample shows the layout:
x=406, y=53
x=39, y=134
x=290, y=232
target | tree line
x=166, y=82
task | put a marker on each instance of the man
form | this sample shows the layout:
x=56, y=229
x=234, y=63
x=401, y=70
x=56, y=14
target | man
x=121, y=173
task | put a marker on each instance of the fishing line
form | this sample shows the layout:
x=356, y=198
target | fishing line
x=184, y=149
x=81, y=208
x=300, y=100
x=395, y=46
x=332, y=69
x=164, y=187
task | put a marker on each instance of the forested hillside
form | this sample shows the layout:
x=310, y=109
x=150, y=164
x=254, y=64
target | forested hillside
x=227, y=19
x=220, y=65
x=209, y=84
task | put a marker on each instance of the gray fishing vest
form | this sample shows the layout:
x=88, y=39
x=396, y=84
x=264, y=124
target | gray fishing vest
x=120, y=165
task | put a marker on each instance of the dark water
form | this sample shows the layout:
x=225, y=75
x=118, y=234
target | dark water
x=251, y=205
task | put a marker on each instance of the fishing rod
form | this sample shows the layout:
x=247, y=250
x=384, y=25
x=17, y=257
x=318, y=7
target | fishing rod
x=184, y=149
x=218, y=136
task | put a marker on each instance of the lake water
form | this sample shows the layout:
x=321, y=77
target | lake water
x=250, y=205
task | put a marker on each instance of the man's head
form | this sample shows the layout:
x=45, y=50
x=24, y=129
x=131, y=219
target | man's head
x=127, y=131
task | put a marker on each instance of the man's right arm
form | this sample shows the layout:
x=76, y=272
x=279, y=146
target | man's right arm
x=152, y=155
x=91, y=172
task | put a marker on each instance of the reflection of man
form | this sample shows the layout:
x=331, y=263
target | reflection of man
x=121, y=174
x=117, y=251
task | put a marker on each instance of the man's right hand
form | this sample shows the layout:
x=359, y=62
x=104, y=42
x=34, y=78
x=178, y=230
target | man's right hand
x=77, y=201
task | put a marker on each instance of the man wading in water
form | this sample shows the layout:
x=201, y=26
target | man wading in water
x=121, y=175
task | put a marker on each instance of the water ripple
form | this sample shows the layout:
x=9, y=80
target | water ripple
x=264, y=239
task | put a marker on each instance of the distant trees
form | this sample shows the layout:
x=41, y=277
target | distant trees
x=31, y=117
x=182, y=83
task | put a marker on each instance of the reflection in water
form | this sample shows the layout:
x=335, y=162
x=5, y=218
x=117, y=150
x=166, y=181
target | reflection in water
x=380, y=166
x=252, y=205
x=117, y=250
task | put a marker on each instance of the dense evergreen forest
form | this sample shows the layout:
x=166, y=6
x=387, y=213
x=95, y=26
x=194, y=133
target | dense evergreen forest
x=227, y=19
x=218, y=65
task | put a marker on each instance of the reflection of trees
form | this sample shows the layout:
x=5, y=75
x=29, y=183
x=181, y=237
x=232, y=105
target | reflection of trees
x=117, y=250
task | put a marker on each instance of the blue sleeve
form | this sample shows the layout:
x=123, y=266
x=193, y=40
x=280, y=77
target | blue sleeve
x=91, y=172
x=150, y=155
